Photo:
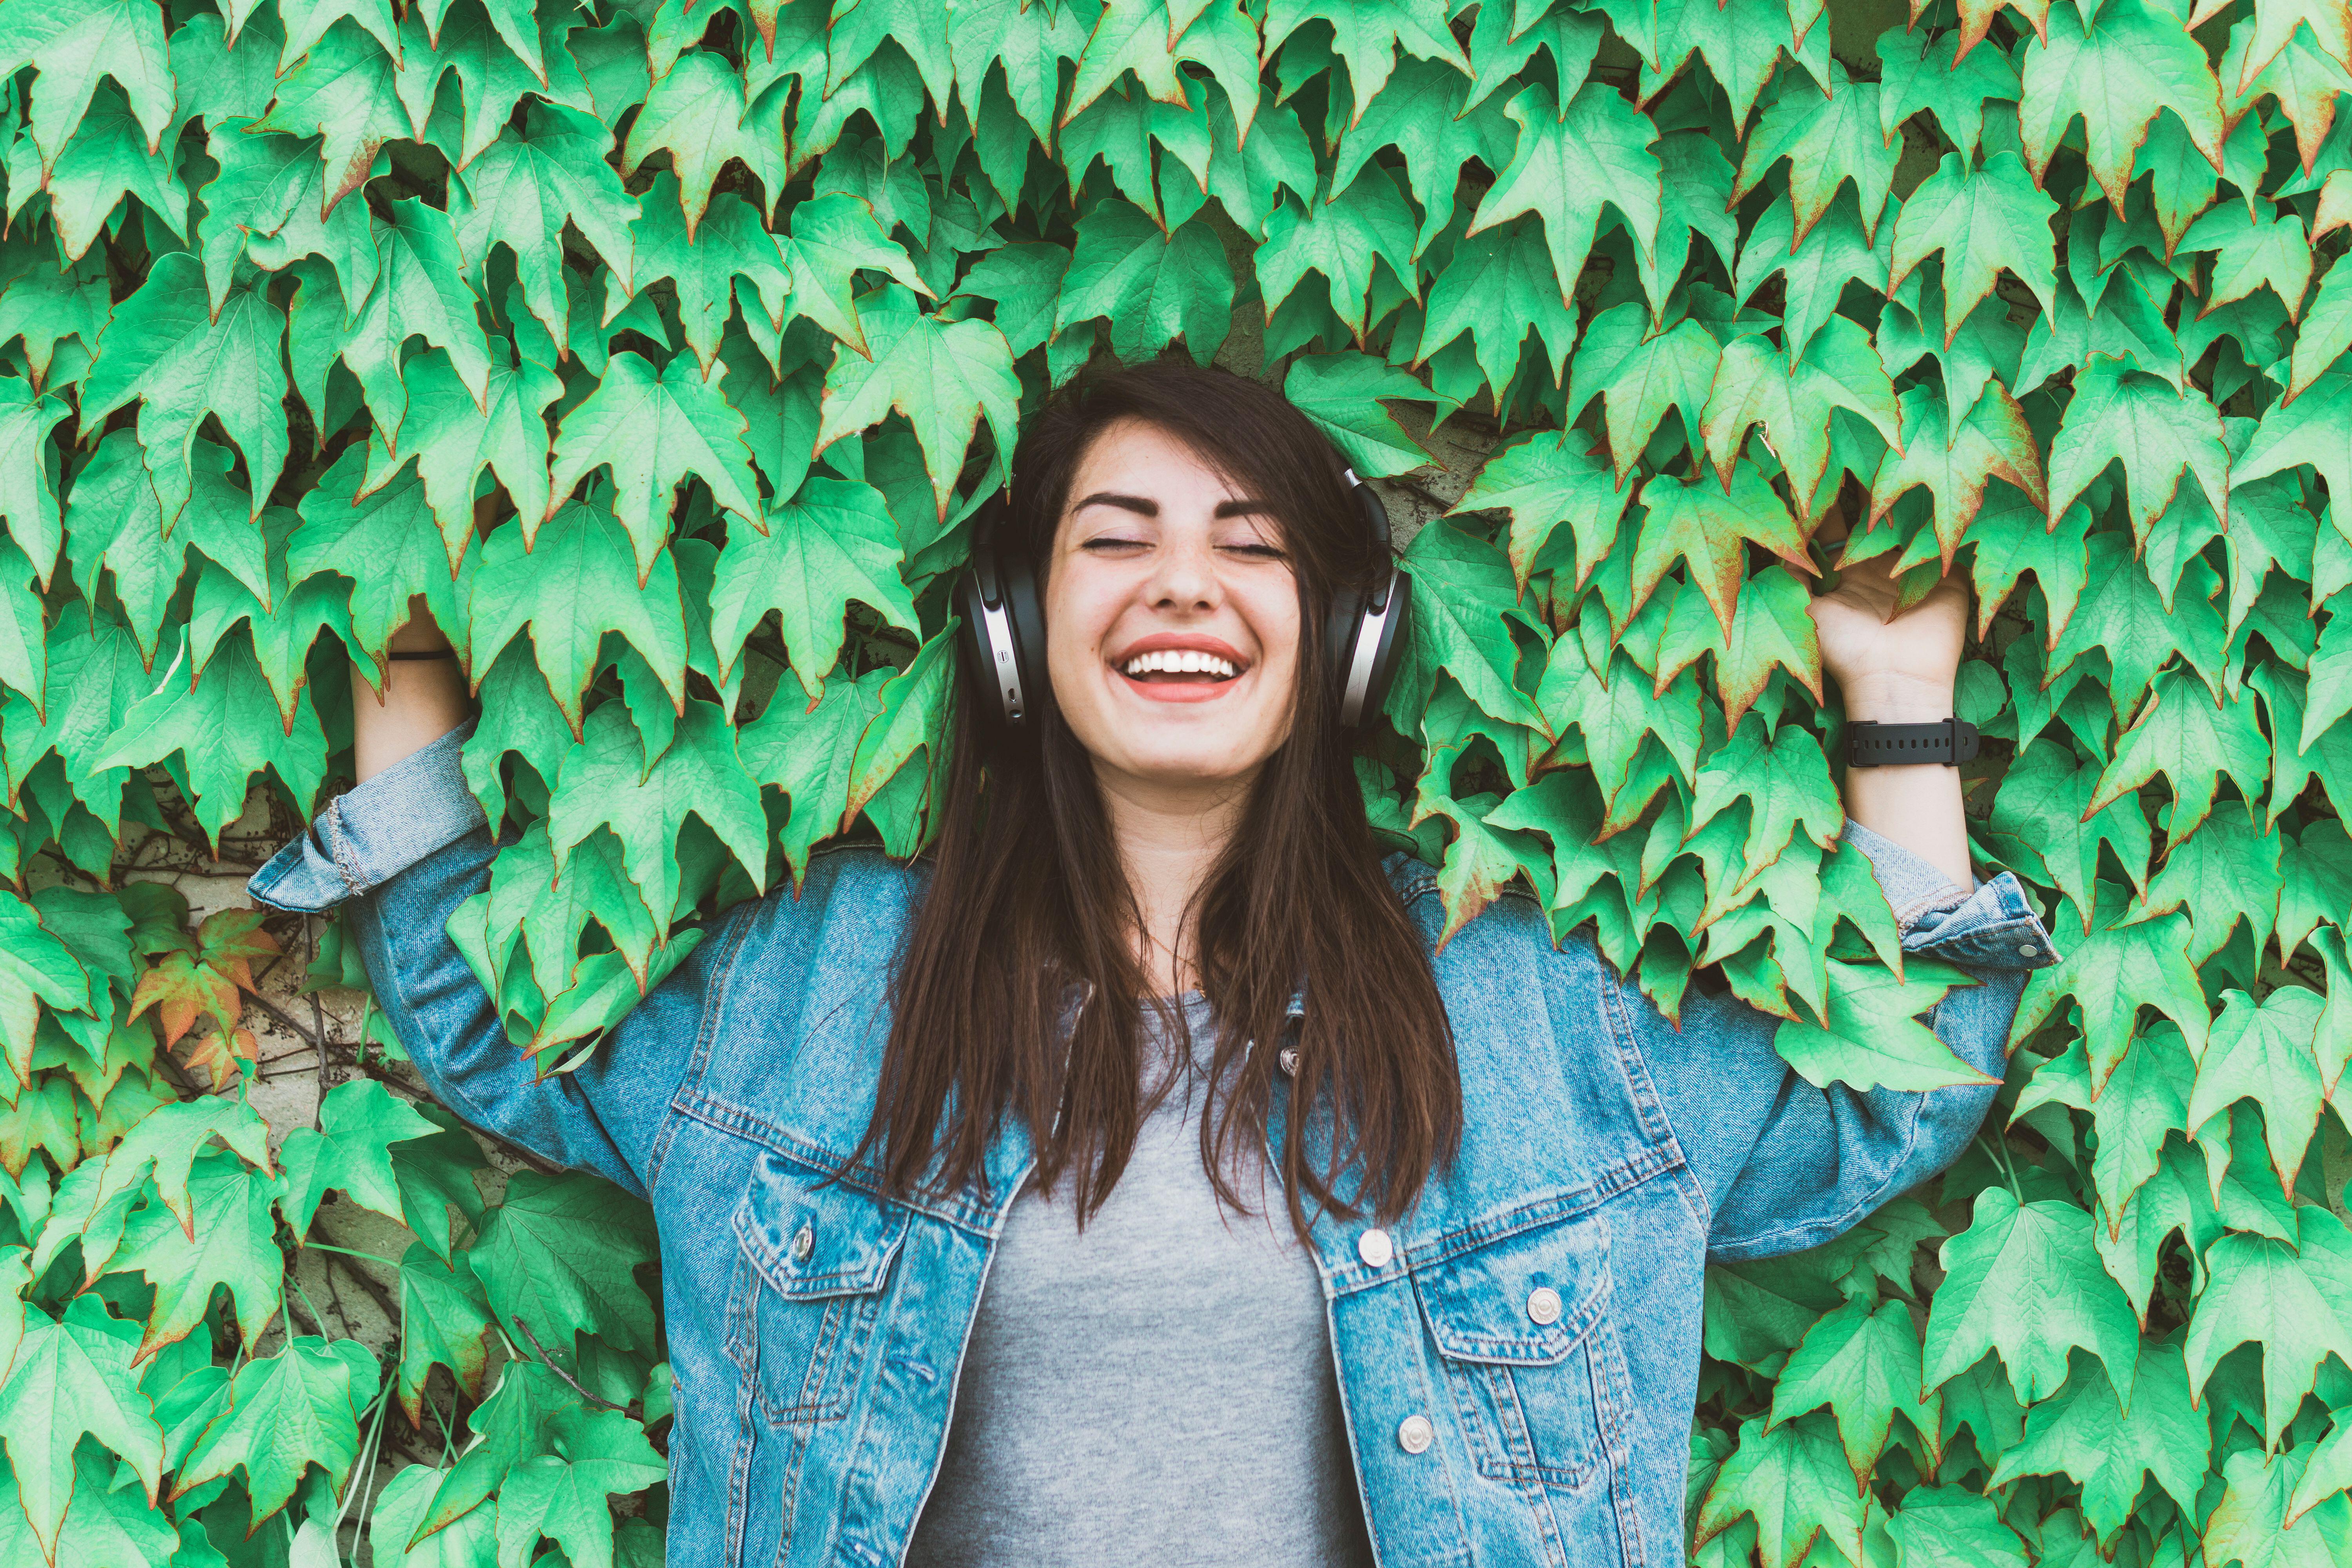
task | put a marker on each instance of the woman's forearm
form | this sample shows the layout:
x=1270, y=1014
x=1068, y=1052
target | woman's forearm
x=1915, y=805
x=422, y=700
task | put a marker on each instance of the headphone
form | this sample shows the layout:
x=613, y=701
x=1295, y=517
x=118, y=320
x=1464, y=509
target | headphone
x=1004, y=627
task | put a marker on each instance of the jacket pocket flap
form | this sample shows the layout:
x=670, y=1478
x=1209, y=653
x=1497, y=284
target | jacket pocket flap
x=1523, y=1300
x=811, y=1240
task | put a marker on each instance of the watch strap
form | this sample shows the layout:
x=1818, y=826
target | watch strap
x=1870, y=745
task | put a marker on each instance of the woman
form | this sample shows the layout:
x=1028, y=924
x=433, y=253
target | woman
x=1453, y=1316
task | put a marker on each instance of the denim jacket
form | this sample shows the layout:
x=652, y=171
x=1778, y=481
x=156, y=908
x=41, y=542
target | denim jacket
x=1517, y=1357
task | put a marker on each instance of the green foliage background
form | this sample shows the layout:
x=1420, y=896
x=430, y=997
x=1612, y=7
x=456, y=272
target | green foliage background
x=665, y=348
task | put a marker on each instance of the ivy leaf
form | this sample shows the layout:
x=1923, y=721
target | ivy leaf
x=655, y=429
x=1706, y=526
x=180, y=362
x=1567, y=164
x=224, y=726
x=564, y=1494
x=559, y=1253
x=2024, y=1280
x=1792, y=1476
x=2265, y=1052
x=697, y=113
x=445, y=1322
x=944, y=376
x=233, y=1242
x=112, y=1529
x=573, y=583
x=2146, y=1096
x=2111, y=974
x=1754, y=385
x=1544, y=481
x=1814, y=273
x=2043, y=807
x=2085, y=1432
x=74, y=43
x=1863, y=1362
x=1829, y=133
x=389, y=540
x=2184, y=734
x=268, y=204
x=2313, y=426
x=1982, y=222
x=73, y=1377
x=806, y=750
x=28, y=496
x=522, y=190
x=1367, y=37
x=1957, y=464
x=2288, y=1296
x=454, y=437
x=2152, y=428
x=1346, y=395
x=605, y=783
x=1638, y=376
x=1496, y=288
x=349, y=1151
x=1155, y=287
x=1917, y=74
x=833, y=542
x=1462, y=628
x=2116, y=70
x=1341, y=238
x=288, y=1412
x=1871, y=1035
x=2253, y=254
x=349, y=91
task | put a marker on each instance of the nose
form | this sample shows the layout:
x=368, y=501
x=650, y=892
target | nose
x=1183, y=574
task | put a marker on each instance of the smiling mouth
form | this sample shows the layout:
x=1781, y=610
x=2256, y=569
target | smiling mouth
x=1180, y=666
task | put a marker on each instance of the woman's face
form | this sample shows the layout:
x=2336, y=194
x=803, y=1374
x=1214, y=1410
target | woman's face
x=1172, y=617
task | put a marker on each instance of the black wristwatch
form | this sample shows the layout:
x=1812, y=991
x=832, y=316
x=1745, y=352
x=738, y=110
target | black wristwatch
x=1870, y=745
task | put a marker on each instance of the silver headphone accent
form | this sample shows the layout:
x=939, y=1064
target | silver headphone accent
x=1008, y=673
x=1373, y=627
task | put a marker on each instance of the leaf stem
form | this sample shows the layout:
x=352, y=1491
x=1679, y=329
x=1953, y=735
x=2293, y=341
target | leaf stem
x=351, y=1252
x=2004, y=1165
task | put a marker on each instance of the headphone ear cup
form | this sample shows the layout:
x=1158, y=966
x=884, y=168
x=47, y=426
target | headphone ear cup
x=1396, y=640
x=1026, y=617
x=1340, y=629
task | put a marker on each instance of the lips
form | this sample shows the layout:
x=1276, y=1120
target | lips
x=1174, y=666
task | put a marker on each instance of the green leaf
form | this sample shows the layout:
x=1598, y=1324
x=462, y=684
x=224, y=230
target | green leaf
x=807, y=750
x=1792, y=1476
x=349, y=1151
x=1544, y=481
x=655, y=429
x=232, y=1242
x=1950, y=1524
x=2116, y=70
x=349, y=91
x=453, y=438
x=1346, y=395
x=698, y=114
x=2084, y=1431
x=1957, y=465
x=2288, y=1296
x=521, y=190
x=2154, y=430
x=1919, y=73
x=72, y=1377
x=1155, y=287
x=562, y=1494
x=182, y=364
x=28, y=496
x=944, y=376
x=1994, y=218
x=1340, y=236
x=73, y=44
x=1706, y=526
x=1829, y=133
x=605, y=781
x=833, y=542
x=559, y=1255
x=1871, y=1035
x=572, y=583
x=2025, y=1281
x=1754, y=385
x=2111, y=974
x=1863, y=1362
x=1567, y=164
x=2264, y=1052
x=1639, y=376
x=445, y=1322
x=287, y=1412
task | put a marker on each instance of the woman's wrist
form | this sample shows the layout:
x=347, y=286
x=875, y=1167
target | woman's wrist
x=1897, y=699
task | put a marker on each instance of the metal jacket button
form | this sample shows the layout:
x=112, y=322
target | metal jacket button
x=1414, y=1434
x=803, y=1244
x=2027, y=949
x=1543, y=1305
x=1375, y=1248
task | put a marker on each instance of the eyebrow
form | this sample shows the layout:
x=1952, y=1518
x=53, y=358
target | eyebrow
x=1145, y=506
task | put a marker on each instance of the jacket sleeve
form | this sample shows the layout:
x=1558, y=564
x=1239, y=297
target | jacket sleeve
x=399, y=853
x=1785, y=1165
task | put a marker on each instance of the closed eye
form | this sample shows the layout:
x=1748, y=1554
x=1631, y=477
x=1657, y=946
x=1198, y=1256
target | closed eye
x=1258, y=552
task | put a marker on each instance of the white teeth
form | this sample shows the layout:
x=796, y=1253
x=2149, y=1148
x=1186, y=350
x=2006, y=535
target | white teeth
x=1180, y=661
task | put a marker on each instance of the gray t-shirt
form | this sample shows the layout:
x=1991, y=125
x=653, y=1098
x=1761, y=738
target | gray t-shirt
x=1156, y=1389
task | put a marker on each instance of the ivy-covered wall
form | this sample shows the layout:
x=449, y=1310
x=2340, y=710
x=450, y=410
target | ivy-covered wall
x=664, y=347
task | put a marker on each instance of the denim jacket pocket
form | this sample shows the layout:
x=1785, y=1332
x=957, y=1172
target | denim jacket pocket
x=809, y=1276
x=1522, y=1326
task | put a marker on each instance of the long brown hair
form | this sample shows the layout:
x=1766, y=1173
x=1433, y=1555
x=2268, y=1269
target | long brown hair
x=1029, y=915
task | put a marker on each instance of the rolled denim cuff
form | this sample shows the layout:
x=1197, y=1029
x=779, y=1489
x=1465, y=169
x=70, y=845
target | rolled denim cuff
x=372, y=833
x=1994, y=927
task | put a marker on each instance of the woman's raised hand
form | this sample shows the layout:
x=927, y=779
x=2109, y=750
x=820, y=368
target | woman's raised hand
x=1890, y=666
